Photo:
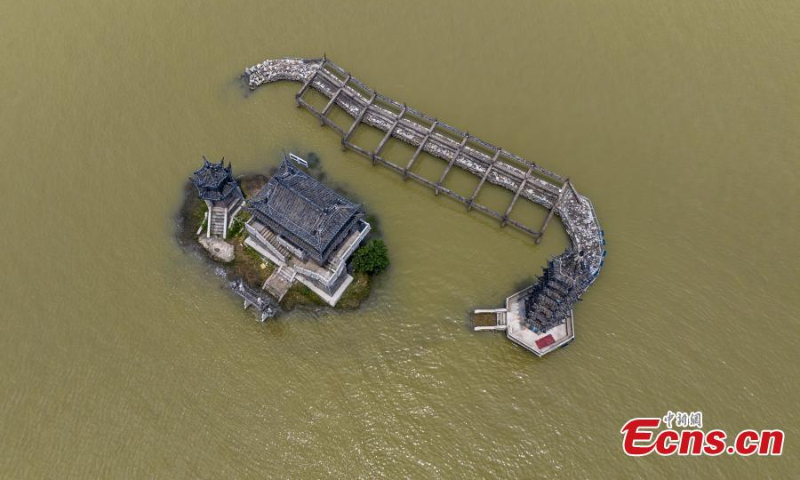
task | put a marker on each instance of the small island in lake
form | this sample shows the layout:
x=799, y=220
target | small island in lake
x=284, y=240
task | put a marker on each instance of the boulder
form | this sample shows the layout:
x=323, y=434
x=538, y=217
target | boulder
x=219, y=249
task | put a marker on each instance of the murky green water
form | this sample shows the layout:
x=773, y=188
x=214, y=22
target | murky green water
x=122, y=356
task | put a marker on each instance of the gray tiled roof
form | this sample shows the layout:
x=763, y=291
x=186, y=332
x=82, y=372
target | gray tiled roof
x=214, y=181
x=307, y=212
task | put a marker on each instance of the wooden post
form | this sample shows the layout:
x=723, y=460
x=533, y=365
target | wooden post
x=420, y=148
x=516, y=196
x=359, y=106
x=574, y=192
x=320, y=117
x=334, y=97
x=483, y=179
x=358, y=119
x=388, y=134
x=450, y=164
x=551, y=212
x=308, y=82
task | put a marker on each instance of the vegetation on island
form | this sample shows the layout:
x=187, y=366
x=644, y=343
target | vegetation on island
x=300, y=294
x=372, y=258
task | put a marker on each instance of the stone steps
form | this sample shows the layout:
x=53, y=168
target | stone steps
x=270, y=236
x=217, y=221
x=279, y=282
x=287, y=272
x=502, y=319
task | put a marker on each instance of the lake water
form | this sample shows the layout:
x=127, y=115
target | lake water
x=123, y=356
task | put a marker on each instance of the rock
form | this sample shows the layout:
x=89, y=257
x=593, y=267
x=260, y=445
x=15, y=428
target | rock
x=218, y=248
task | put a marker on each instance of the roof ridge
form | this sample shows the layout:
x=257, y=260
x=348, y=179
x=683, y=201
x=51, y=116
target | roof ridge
x=302, y=197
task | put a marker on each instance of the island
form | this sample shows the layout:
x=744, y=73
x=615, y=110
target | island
x=283, y=240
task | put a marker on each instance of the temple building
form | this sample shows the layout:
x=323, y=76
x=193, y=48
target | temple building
x=307, y=230
x=217, y=187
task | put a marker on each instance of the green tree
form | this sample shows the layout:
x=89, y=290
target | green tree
x=371, y=258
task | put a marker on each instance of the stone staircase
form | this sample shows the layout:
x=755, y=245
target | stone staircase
x=502, y=319
x=270, y=236
x=217, y=221
x=279, y=282
x=288, y=273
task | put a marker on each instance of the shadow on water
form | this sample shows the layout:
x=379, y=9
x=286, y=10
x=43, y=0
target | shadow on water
x=242, y=85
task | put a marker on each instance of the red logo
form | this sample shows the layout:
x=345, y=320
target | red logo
x=643, y=436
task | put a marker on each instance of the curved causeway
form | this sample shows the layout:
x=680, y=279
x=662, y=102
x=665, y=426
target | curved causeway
x=539, y=318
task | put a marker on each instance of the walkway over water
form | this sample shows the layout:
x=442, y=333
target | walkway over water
x=460, y=149
x=264, y=305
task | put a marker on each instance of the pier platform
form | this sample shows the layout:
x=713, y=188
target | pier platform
x=511, y=320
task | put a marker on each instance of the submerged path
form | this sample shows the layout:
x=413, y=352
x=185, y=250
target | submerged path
x=490, y=163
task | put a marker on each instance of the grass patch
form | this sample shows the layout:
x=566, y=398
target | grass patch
x=189, y=217
x=237, y=229
x=356, y=292
x=300, y=294
x=249, y=266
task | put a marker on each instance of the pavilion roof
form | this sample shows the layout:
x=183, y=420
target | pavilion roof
x=214, y=181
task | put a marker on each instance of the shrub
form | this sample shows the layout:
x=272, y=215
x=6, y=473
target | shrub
x=371, y=258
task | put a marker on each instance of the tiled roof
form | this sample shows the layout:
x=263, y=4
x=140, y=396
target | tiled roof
x=214, y=181
x=305, y=209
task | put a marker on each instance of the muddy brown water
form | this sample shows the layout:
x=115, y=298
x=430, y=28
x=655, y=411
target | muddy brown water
x=122, y=356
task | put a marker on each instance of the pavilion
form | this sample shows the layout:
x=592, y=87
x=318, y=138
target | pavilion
x=307, y=230
x=217, y=187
